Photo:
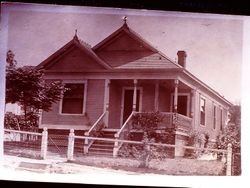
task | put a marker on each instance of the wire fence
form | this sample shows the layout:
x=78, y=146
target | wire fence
x=41, y=145
x=22, y=143
x=57, y=144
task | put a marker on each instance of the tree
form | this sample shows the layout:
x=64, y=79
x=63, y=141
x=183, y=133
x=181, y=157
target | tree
x=26, y=87
x=232, y=132
x=235, y=115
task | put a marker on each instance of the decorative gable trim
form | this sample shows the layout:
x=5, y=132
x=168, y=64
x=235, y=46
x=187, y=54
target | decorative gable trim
x=66, y=49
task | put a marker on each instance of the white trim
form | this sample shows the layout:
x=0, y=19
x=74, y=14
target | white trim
x=157, y=84
x=202, y=97
x=106, y=94
x=110, y=129
x=106, y=102
x=122, y=101
x=181, y=133
x=188, y=102
x=84, y=97
x=65, y=127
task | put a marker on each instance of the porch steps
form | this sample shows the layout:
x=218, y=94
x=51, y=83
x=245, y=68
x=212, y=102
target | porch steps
x=100, y=147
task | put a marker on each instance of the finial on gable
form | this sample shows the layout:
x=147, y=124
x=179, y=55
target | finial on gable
x=76, y=37
x=125, y=20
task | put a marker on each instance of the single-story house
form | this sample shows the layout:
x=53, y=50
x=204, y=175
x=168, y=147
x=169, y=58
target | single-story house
x=123, y=74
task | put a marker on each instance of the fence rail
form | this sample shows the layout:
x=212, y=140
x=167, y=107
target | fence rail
x=73, y=142
x=31, y=144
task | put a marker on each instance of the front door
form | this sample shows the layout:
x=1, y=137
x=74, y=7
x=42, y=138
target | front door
x=128, y=103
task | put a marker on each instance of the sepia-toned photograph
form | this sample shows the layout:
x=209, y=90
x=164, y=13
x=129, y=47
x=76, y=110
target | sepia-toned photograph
x=109, y=91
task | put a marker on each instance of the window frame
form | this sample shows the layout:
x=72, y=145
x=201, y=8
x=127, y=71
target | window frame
x=214, y=117
x=221, y=119
x=202, y=98
x=186, y=94
x=84, y=97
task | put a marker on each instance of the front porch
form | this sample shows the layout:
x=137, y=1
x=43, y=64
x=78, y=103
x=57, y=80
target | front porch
x=125, y=98
x=122, y=97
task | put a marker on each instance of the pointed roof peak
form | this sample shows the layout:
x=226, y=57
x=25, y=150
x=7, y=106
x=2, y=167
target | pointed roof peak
x=75, y=36
x=125, y=18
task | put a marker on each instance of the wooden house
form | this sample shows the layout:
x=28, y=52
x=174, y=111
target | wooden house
x=124, y=74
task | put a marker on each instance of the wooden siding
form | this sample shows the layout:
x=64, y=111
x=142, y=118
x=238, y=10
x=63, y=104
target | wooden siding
x=148, y=97
x=164, y=99
x=94, y=108
x=55, y=120
x=75, y=60
x=95, y=99
x=115, y=105
x=208, y=128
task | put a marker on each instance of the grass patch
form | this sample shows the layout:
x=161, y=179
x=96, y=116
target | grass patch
x=178, y=166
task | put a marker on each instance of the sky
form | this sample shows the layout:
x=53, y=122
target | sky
x=213, y=42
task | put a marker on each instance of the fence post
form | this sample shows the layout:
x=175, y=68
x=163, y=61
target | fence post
x=229, y=160
x=115, y=150
x=86, y=144
x=71, y=142
x=44, y=144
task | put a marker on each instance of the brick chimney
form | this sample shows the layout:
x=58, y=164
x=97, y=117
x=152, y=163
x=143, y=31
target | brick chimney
x=182, y=58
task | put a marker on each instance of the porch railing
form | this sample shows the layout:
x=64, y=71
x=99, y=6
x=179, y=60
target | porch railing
x=96, y=127
x=182, y=122
x=167, y=120
x=122, y=134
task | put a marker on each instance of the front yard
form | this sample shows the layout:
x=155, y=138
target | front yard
x=167, y=166
x=177, y=166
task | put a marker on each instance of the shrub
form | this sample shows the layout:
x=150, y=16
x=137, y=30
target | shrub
x=199, y=140
x=19, y=122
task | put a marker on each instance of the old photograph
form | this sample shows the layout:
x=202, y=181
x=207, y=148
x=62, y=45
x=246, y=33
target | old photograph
x=111, y=91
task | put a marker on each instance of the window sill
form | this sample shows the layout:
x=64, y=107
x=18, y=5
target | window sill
x=65, y=114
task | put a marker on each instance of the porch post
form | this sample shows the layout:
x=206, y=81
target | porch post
x=157, y=95
x=106, y=101
x=193, y=106
x=176, y=83
x=134, y=95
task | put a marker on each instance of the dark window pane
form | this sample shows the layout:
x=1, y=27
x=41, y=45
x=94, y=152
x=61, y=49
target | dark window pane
x=202, y=111
x=221, y=119
x=73, y=99
x=214, y=119
x=182, y=105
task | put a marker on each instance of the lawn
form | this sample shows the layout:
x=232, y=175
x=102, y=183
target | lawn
x=177, y=166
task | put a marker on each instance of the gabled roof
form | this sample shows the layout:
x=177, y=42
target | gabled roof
x=128, y=31
x=166, y=62
x=153, y=61
x=75, y=42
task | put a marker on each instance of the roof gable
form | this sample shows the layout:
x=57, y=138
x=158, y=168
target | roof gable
x=124, y=39
x=74, y=55
x=125, y=47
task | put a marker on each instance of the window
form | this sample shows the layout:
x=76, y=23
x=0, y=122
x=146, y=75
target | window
x=183, y=103
x=214, y=117
x=202, y=111
x=73, y=98
x=221, y=119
